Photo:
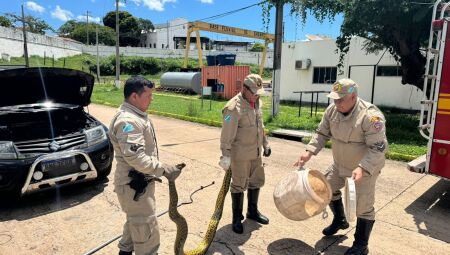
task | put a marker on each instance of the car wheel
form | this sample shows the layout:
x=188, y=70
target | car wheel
x=104, y=172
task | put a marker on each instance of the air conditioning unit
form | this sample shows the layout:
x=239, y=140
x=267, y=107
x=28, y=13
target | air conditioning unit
x=302, y=64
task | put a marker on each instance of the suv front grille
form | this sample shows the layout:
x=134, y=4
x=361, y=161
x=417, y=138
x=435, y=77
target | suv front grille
x=42, y=146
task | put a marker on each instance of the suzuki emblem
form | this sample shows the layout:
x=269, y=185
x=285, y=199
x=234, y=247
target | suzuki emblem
x=54, y=146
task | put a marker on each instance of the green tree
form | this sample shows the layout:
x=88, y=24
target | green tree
x=78, y=31
x=32, y=24
x=130, y=31
x=67, y=28
x=401, y=26
x=257, y=47
x=106, y=35
x=5, y=22
x=145, y=25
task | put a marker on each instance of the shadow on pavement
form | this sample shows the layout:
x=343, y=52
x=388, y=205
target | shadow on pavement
x=228, y=242
x=289, y=246
x=49, y=201
x=330, y=245
x=431, y=211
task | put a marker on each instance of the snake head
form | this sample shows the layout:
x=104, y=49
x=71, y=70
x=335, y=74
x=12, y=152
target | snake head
x=181, y=166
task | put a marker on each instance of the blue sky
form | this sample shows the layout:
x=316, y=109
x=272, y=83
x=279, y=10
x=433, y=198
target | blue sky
x=56, y=12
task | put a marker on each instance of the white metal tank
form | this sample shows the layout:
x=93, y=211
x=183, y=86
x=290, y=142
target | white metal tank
x=181, y=80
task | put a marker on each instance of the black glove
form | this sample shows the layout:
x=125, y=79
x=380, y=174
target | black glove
x=267, y=152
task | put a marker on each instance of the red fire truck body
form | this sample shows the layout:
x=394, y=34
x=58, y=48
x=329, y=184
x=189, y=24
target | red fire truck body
x=435, y=111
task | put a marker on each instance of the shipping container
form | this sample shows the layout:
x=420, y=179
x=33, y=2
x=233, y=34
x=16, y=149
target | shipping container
x=232, y=78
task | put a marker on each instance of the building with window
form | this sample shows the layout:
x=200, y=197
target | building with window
x=312, y=66
x=172, y=35
x=164, y=34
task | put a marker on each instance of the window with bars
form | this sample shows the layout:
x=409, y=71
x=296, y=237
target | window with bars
x=324, y=75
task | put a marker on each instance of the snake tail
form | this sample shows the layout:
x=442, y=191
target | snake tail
x=182, y=227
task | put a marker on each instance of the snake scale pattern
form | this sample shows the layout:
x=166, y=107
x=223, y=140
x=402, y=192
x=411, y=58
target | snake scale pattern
x=182, y=227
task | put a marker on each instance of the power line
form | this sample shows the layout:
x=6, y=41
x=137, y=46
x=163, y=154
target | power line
x=221, y=15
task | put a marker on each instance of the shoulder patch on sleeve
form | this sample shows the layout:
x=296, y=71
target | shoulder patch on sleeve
x=227, y=118
x=380, y=146
x=376, y=123
x=127, y=128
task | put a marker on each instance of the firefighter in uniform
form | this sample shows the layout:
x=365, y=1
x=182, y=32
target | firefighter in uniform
x=134, y=142
x=357, y=131
x=242, y=143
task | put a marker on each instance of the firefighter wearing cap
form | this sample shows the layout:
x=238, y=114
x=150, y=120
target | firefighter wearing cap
x=357, y=131
x=242, y=143
x=134, y=141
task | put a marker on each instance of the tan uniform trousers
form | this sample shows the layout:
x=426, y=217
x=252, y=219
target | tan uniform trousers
x=248, y=174
x=365, y=190
x=140, y=231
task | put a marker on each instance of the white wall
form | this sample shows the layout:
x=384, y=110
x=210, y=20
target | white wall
x=321, y=53
x=388, y=90
x=242, y=57
x=177, y=28
x=11, y=43
x=231, y=48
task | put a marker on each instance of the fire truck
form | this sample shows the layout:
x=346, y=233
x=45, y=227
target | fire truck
x=435, y=107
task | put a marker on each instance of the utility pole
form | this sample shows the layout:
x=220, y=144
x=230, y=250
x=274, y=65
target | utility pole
x=167, y=35
x=98, y=64
x=117, y=81
x=87, y=27
x=25, y=48
x=277, y=57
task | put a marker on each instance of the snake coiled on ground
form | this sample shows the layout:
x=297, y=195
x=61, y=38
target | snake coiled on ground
x=180, y=221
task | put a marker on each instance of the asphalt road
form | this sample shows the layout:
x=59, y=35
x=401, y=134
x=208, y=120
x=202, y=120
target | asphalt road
x=413, y=210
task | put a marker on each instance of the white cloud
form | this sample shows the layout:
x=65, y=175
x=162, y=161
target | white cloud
x=156, y=5
x=91, y=19
x=207, y=1
x=61, y=14
x=34, y=7
x=121, y=4
x=96, y=19
x=136, y=2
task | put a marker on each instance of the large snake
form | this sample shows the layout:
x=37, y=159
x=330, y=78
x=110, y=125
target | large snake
x=180, y=221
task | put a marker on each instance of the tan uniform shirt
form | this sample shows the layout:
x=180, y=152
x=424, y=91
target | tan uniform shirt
x=133, y=137
x=358, y=139
x=242, y=130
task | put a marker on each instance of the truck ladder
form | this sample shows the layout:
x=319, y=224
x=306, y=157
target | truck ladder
x=432, y=72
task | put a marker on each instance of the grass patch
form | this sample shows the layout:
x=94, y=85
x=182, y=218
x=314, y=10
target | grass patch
x=405, y=142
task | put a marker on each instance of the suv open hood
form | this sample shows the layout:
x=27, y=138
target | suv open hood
x=40, y=84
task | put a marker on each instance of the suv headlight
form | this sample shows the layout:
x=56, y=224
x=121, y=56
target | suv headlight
x=95, y=135
x=7, y=150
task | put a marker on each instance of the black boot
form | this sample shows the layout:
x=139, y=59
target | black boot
x=237, y=200
x=252, y=212
x=125, y=252
x=362, y=234
x=339, y=221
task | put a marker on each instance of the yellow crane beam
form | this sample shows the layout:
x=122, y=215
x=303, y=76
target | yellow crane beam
x=210, y=27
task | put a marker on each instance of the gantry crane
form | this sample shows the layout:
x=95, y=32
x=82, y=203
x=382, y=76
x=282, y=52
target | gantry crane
x=198, y=25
